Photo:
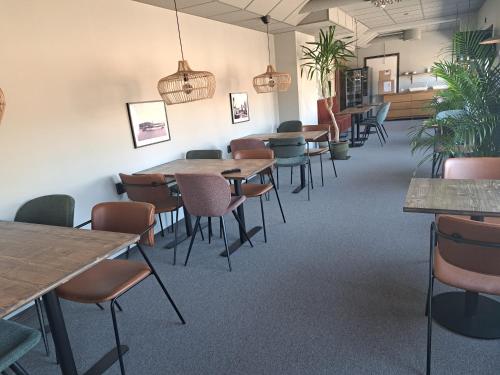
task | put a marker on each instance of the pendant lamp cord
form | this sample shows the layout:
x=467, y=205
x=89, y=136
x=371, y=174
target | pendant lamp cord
x=178, y=28
x=268, y=47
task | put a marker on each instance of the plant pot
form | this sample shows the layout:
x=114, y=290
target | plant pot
x=340, y=150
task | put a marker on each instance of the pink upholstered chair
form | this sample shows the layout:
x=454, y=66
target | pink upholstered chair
x=246, y=144
x=209, y=195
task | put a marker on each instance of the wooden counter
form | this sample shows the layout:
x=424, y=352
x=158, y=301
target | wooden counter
x=408, y=105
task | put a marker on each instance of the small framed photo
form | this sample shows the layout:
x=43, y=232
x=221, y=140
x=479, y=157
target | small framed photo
x=148, y=122
x=239, y=107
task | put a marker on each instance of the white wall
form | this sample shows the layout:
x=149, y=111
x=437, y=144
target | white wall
x=415, y=55
x=69, y=66
x=299, y=102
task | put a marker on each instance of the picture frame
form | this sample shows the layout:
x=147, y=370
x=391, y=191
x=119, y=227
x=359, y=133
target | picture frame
x=240, y=111
x=148, y=122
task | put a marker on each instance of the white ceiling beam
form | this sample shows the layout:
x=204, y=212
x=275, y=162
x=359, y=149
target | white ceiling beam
x=316, y=5
x=412, y=25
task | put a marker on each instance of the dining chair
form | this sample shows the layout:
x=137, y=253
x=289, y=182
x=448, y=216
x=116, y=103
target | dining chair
x=464, y=254
x=290, y=126
x=377, y=123
x=153, y=188
x=57, y=210
x=324, y=146
x=209, y=195
x=112, y=278
x=291, y=152
x=15, y=341
x=246, y=144
x=252, y=190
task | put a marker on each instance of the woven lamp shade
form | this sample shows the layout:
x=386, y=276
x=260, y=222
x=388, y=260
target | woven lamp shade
x=186, y=85
x=271, y=81
x=2, y=104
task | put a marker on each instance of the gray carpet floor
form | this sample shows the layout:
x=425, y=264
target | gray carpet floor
x=339, y=289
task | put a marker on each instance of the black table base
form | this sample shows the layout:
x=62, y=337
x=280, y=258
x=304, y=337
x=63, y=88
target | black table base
x=238, y=243
x=467, y=314
x=108, y=360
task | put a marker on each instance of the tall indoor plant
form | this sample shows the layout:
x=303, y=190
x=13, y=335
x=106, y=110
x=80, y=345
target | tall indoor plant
x=473, y=79
x=322, y=59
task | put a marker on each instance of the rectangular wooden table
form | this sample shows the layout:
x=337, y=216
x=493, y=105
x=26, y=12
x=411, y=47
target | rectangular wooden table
x=309, y=136
x=248, y=168
x=477, y=199
x=36, y=259
x=356, y=115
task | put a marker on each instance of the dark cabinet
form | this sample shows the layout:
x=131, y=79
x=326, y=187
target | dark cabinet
x=356, y=86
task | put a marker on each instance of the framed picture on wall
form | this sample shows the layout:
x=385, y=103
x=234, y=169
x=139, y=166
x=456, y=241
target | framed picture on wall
x=239, y=107
x=148, y=122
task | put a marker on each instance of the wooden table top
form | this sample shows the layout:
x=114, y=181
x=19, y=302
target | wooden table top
x=249, y=167
x=356, y=110
x=309, y=136
x=454, y=197
x=35, y=259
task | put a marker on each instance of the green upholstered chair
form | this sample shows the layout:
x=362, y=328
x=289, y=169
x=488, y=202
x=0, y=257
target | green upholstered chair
x=291, y=152
x=290, y=126
x=15, y=341
x=57, y=210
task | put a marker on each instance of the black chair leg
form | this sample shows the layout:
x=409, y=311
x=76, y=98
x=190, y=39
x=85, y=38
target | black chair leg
x=385, y=131
x=277, y=196
x=161, y=226
x=41, y=322
x=263, y=218
x=332, y=157
x=100, y=306
x=321, y=166
x=176, y=228
x=429, y=327
x=310, y=174
x=235, y=214
x=172, y=221
x=18, y=369
x=291, y=175
x=379, y=138
x=209, y=230
x=225, y=243
x=308, y=178
x=118, y=305
x=220, y=227
x=201, y=233
x=193, y=236
x=162, y=286
x=117, y=337
x=277, y=177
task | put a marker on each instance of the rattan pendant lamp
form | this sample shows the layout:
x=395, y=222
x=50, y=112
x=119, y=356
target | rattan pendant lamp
x=271, y=80
x=186, y=85
x=2, y=104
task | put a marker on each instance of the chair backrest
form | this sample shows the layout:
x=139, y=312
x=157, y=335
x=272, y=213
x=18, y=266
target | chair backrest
x=204, y=194
x=263, y=153
x=449, y=113
x=472, y=168
x=319, y=127
x=290, y=126
x=204, y=154
x=470, y=256
x=288, y=147
x=246, y=144
x=150, y=188
x=382, y=112
x=125, y=217
x=56, y=209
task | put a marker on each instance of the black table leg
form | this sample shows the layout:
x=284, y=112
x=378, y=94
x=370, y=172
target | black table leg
x=241, y=214
x=189, y=230
x=59, y=333
x=352, y=131
x=302, y=180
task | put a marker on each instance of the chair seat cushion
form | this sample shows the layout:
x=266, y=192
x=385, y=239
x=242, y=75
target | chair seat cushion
x=253, y=190
x=458, y=277
x=105, y=281
x=291, y=162
x=318, y=151
x=235, y=202
x=15, y=341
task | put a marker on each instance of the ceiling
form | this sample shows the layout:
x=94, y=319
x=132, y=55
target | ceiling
x=348, y=15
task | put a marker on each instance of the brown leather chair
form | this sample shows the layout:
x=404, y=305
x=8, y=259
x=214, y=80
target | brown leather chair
x=246, y=144
x=252, y=190
x=319, y=151
x=465, y=254
x=477, y=168
x=110, y=279
x=153, y=188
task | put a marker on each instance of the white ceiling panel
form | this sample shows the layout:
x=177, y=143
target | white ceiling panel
x=210, y=9
x=263, y=6
x=235, y=17
x=237, y=3
x=169, y=4
x=284, y=8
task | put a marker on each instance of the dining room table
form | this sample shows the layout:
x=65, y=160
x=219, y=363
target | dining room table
x=243, y=169
x=466, y=313
x=309, y=136
x=357, y=114
x=35, y=259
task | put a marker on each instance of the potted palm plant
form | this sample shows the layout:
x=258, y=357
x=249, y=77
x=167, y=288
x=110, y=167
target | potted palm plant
x=473, y=94
x=322, y=59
